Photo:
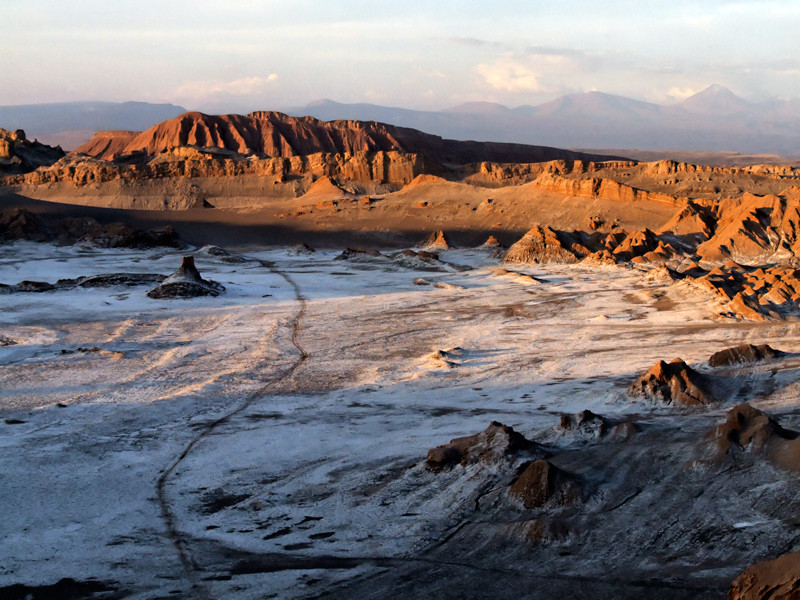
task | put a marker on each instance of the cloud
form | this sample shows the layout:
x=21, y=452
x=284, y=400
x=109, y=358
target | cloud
x=212, y=90
x=475, y=42
x=507, y=76
x=570, y=53
x=537, y=70
x=681, y=93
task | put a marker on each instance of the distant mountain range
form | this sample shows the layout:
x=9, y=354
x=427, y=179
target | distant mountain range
x=69, y=124
x=714, y=120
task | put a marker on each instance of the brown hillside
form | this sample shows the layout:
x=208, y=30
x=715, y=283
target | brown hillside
x=275, y=134
x=106, y=145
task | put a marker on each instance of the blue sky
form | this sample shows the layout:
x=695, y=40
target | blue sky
x=243, y=55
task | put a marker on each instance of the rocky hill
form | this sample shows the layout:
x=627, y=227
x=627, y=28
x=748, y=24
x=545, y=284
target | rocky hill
x=276, y=135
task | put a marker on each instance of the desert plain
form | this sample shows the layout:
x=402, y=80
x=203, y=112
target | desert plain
x=391, y=365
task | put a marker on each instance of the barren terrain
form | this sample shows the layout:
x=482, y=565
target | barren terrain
x=583, y=382
x=271, y=442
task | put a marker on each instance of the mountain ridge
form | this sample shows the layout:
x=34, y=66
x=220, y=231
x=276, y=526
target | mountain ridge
x=277, y=135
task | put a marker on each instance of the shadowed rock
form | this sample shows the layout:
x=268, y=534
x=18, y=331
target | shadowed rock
x=358, y=254
x=33, y=286
x=542, y=530
x=22, y=224
x=422, y=260
x=586, y=422
x=63, y=589
x=299, y=249
x=113, y=279
x=746, y=353
x=186, y=283
x=542, y=483
x=495, y=443
x=587, y=425
x=777, y=579
x=20, y=155
x=673, y=383
x=215, y=252
x=748, y=429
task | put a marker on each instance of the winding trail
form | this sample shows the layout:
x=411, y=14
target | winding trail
x=177, y=538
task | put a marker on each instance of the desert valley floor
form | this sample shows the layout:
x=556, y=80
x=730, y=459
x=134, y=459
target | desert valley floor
x=272, y=441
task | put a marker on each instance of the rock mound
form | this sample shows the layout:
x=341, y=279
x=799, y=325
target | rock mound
x=541, y=483
x=220, y=254
x=747, y=429
x=436, y=242
x=358, y=254
x=673, y=383
x=587, y=426
x=87, y=281
x=186, y=283
x=300, y=249
x=541, y=245
x=491, y=243
x=777, y=579
x=422, y=260
x=494, y=444
x=744, y=354
x=635, y=244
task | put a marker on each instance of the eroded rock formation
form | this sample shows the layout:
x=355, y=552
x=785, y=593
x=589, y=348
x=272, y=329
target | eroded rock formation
x=22, y=224
x=744, y=354
x=20, y=155
x=674, y=382
x=747, y=429
x=186, y=282
x=494, y=444
x=541, y=483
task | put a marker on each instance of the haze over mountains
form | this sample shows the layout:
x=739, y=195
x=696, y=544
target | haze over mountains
x=714, y=120
x=69, y=124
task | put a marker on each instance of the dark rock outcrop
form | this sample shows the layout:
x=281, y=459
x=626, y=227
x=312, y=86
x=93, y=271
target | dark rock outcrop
x=186, y=282
x=22, y=224
x=494, y=444
x=299, y=249
x=747, y=429
x=541, y=483
x=746, y=353
x=90, y=281
x=673, y=383
x=20, y=155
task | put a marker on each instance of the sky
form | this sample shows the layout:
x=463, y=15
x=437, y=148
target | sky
x=243, y=55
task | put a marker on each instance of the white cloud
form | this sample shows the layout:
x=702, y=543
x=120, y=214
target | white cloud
x=510, y=77
x=681, y=93
x=203, y=90
x=537, y=70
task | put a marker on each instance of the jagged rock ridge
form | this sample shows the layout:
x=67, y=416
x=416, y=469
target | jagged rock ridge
x=20, y=155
